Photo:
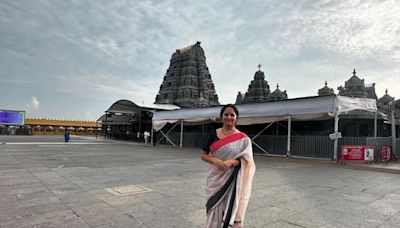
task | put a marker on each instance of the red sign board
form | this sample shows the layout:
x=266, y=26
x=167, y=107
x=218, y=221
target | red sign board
x=358, y=152
x=385, y=152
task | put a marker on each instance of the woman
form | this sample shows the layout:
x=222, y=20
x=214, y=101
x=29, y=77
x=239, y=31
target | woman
x=231, y=172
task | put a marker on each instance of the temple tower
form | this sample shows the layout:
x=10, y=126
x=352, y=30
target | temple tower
x=258, y=90
x=187, y=82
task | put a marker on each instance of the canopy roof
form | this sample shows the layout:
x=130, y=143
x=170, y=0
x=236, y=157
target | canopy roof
x=129, y=107
x=298, y=109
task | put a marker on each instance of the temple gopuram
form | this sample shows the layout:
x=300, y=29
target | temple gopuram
x=187, y=82
x=259, y=91
x=355, y=87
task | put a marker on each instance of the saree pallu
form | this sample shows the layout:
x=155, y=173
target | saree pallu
x=228, y=191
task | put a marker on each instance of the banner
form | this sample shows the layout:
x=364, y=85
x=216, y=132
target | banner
x=12, y=117
x=358, y=152
x=385, y=153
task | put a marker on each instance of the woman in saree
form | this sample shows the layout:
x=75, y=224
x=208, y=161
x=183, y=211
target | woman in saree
x=228, y=187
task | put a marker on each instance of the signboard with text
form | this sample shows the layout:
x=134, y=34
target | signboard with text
x=358, y=152
x=12, y=117
x=385, y=153
x=336, y=135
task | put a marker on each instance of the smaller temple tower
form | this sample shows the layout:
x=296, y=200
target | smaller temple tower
x=355, y=87
x=239, y=98
x=325, y=91
x=258, y=90
x=277, y=95
x=384, y=103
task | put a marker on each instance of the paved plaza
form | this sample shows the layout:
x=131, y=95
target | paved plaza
x=45, y=182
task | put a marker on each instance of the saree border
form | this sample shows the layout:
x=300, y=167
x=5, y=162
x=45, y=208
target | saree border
x=222, y=142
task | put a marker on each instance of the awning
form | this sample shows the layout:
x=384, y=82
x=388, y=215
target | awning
x=298, y=109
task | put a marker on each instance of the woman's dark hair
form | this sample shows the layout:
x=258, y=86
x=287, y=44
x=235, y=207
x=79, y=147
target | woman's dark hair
x=229, y=106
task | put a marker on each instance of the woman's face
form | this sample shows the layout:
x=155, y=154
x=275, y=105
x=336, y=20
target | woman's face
x=229, y=117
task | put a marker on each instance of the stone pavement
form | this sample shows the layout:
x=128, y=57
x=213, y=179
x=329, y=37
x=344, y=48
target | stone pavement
x=47, y=183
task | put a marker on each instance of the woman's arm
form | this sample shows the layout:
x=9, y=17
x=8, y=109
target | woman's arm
x=213, y=160
x=232, y=162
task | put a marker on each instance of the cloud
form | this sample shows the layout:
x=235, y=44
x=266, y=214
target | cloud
x=86, y=116
x=35, y=103
x=108, y=50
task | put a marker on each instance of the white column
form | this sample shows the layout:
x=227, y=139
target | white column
x=181, y=142
x=394, y=149
x=335, y=143
x=289, y=136
x=376, y=124
x=152, y=132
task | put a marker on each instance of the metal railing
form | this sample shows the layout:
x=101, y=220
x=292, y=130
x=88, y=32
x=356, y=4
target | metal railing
x=320, y=147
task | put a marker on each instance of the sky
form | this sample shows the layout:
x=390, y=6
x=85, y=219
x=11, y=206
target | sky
x=74, y=59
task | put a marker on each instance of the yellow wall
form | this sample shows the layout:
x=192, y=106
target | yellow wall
x=61, y=132
x=65, y=123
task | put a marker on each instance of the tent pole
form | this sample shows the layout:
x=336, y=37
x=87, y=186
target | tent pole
x=165, y=135
x=289, y=135
x=140, y=122
x=262, y=149
x=181, y=141
x=169, y=140
x=105, y=132
x=265, y=128
x=259, y=133
x=335, y=143
x=152, y=132
x=394, y=146
x=376, y=124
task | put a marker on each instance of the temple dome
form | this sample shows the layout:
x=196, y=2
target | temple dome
x=354, y=81
x=386, y=98
x=325, y=91
x=277, y=94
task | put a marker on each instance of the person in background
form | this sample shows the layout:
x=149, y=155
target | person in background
x=146, y=137
x=66, y=135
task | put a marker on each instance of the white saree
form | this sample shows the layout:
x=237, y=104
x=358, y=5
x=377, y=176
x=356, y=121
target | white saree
x=228, y=191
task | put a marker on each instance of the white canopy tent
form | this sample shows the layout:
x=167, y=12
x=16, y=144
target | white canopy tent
x=294, y=109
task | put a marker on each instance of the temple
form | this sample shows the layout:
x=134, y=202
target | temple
x=326, y=91
x=355, y=87
x=259, y=91
x=187, y=82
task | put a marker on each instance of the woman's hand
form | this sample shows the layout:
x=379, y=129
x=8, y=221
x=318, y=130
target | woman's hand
x=222, y=164
x=230, y=163
x=225, y=165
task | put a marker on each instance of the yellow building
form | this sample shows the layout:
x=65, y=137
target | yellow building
x=58, y=127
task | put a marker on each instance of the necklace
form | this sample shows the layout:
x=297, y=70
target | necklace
x=229, y=133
